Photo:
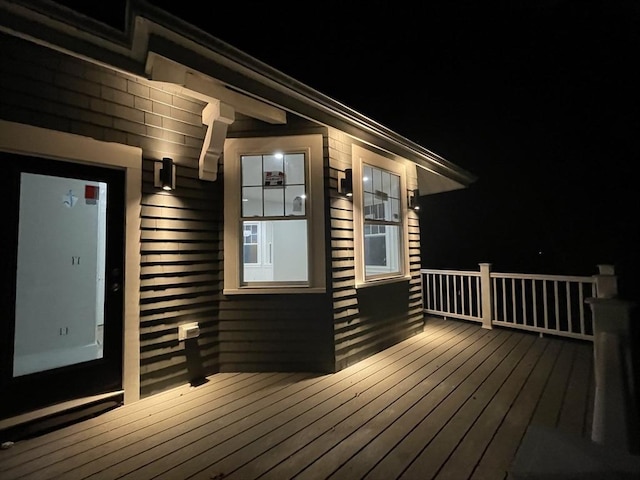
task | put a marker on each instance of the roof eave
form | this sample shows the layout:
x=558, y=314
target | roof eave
x=150, y=29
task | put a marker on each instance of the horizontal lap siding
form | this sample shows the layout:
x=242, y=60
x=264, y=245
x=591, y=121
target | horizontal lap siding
x=181, y=272
x=262, y=333
x=366, y=320
x=180, y=231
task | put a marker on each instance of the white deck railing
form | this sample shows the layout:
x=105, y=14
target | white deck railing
x=555, y=305
x=547, y=304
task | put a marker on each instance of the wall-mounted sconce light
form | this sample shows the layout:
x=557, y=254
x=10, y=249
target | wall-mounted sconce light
x=165, y=174
x=413, y=196
x=345, y=182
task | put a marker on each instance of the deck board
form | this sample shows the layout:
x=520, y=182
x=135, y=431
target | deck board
x=402, y=425
x=451, y=402
x=398, y=411
x=548, y=409
x=469, y=450
x=124, y=436
x=159, y=438
x=497, y=456
x=284, y=439
x=392, y=392
x=394, y=464
x=473, y=401
x=574, y=409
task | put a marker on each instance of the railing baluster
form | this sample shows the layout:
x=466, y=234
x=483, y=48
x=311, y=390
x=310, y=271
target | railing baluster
x=546, y=305
x=534, y=300
x=455, y=293
x=557, y=310
x=513, y=300
x=464, y=292
x=524, y=303
x=494, y=300
x=504, y=300
x=569, y=316
x=427, y=290
x=434, y=286
x=441, y=299
x=478, y=297
x=581, y=309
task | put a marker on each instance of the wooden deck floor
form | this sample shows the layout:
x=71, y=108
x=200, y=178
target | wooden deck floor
x=452, y=402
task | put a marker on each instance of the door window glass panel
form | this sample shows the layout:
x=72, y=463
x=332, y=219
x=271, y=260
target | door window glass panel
x=60, y=277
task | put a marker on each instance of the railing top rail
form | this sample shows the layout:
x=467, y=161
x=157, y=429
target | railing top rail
x=469, y=273
x=534, y=276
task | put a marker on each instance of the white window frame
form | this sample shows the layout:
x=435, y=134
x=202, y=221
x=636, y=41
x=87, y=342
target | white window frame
x=362, y=156
x=234, y=148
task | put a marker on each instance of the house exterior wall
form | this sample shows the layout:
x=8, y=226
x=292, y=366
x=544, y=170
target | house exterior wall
x=367, y=319
x=277, y=332
x=180, y=231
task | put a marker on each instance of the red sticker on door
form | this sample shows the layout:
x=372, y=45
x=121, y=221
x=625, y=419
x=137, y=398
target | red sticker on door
x=91, y=194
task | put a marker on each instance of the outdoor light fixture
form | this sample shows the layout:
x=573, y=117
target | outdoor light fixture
x=413, y=199
x=345, y=182
x=165, y=174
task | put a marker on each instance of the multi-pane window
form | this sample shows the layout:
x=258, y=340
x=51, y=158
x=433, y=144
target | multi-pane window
x=380, y=229
x=274, y=215
x=274, y=218
x=382, y=222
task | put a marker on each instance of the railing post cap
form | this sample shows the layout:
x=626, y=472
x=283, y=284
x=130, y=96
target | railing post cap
x=606, y=269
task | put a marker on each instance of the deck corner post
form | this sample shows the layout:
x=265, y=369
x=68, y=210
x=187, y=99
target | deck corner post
x=487, y=295
x=613, y=419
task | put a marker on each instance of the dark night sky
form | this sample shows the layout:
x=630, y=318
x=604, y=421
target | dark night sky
x=537, y=98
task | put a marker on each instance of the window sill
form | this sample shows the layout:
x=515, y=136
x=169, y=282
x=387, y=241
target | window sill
x=383, y=281
x=272, y=290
